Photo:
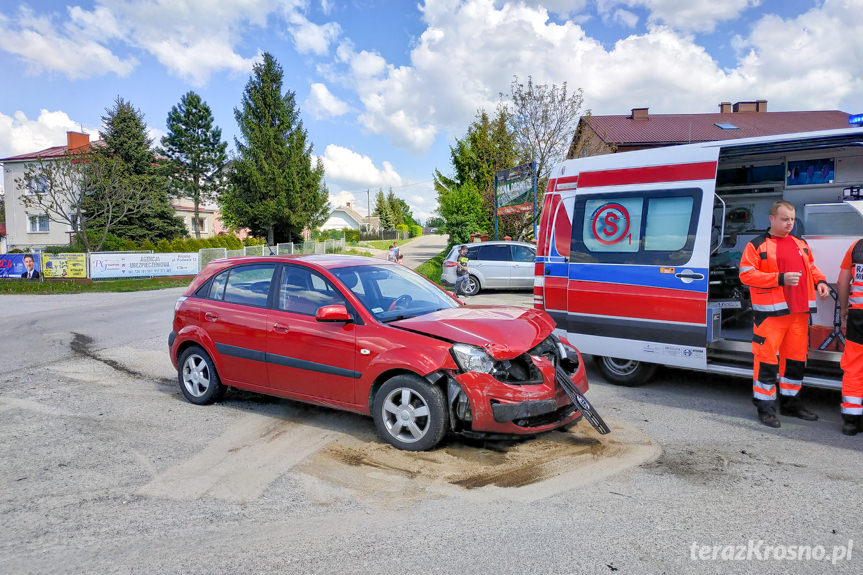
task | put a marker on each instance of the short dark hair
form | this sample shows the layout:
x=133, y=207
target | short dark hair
x=30, y=256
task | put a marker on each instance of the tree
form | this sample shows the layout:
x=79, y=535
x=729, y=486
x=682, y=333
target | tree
x=275, y=189
x=196, y=152
x=488, y=146
x=544, y=118
x=462, y=208
x=88, y=192
x=384, y=212
x=126, y=142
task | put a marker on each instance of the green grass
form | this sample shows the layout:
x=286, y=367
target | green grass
x=385, y=244
x=432, y=268
x=353, y=252
x=67, y=286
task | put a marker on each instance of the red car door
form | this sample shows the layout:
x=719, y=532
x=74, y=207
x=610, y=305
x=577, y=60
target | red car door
x=235, y=318
x=308, y=359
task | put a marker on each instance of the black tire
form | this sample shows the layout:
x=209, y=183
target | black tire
x=625, y=372
x=410, y=414
x=471, y=286
x=198, y=378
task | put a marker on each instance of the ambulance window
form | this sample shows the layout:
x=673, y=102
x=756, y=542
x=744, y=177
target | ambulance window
x=667, y=224
x=612, y=226
x=651, y=227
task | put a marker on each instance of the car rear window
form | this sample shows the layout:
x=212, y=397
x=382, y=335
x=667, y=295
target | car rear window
x=495, y=253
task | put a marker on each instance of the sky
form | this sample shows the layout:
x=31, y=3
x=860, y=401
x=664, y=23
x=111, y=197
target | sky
x=386, y=87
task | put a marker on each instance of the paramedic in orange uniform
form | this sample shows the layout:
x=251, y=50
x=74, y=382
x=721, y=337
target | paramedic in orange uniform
x=783, y=280
x=850, y=289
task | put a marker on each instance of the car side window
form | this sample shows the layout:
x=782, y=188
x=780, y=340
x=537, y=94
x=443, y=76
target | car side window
x=495, y=253
x=523, y=254
x=217, y=286
x=249, y=285
x=472, y=253
x=304, y=291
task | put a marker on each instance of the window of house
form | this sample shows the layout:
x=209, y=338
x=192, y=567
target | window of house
x=38, y=224
x=199, y=225
x=37, y=186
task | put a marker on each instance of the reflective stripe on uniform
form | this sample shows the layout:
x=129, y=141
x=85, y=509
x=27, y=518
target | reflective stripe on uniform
x=746, y=269
x=789, y=386
x=763, y=391
x=851, y=399
x=773, y=307
x=855, y=301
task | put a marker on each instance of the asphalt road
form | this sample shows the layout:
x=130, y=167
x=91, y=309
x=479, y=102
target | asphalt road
x=106, y=469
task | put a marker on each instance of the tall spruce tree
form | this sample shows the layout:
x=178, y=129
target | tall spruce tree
x=125, y=138
x=196, y=152
x=384, y=212
x=275, y=188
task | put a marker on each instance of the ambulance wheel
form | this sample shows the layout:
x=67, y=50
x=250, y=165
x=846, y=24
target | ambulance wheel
x=626, y=372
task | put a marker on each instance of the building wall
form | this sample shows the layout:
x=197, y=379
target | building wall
x=338, y=221
x=18, y=235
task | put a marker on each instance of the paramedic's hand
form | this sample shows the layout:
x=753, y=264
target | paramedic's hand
x=823, y=290
x=792, y=278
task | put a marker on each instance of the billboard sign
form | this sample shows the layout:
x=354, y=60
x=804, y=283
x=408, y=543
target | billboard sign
x=514, y=189
x=12, y=265
x=118, y=265
x=58, y=266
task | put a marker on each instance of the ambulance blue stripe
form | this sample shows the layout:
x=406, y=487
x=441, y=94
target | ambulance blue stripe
x=647, y=276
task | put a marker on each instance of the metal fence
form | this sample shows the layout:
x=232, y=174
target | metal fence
x=384, y=235
x=325, y=247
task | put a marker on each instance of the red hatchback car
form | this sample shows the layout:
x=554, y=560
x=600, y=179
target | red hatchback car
x=376, y=338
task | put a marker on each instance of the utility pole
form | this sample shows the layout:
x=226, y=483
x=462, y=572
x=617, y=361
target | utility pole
x=368, y=210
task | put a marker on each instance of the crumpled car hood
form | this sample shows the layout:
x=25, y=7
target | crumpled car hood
x=504, y=332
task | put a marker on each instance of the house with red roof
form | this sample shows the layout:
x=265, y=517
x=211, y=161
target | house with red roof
x=27, y=228
x=639, y=129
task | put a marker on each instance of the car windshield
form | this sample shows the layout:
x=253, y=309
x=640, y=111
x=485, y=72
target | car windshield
x=392, y=292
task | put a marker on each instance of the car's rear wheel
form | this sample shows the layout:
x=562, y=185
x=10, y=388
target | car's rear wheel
x=626, y=372
x=471, y=286
x=410, y=413
x=198, y=379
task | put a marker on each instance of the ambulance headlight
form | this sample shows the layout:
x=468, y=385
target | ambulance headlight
x=472, y=358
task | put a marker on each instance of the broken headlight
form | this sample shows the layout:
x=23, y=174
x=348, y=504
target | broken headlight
x=472, y=358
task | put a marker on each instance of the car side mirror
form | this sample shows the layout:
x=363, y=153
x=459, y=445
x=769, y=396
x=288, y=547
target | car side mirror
x=333, y=313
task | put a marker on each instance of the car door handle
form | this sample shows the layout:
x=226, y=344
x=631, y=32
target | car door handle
x=210, y=316
x=689, y=276
x=281, y=328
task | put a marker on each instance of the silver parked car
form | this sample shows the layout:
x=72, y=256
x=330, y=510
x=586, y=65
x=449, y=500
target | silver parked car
x=493, y=265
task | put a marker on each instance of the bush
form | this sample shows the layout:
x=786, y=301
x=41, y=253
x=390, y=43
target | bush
x=57, y=250
x=164, y=246
x=402, y=229
x=148, y=245
x=416, y=231
x=179, y=245
x=128, y=245
x=233, y=242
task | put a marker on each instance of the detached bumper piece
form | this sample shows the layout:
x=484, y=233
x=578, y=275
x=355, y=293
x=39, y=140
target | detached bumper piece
x=530, y=413
x=579, y=400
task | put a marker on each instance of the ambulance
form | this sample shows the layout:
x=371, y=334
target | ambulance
x=638, y=253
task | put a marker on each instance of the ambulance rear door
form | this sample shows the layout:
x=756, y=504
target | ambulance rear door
x=639, y=257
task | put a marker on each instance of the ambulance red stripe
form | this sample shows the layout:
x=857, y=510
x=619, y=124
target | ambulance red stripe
x=636, y=302
x=648, y=175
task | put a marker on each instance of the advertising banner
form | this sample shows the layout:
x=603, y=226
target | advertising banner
x=514, y=189
x=116, y=265
x=64, y=265
x=13, y=266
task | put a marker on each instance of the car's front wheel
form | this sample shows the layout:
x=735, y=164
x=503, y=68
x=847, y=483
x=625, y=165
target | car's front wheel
x=198, y=379
x=410, y=413
x=471, y=286
x=626, y=372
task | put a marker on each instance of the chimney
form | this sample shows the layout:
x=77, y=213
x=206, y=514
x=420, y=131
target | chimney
x=639, y=114
x=724, y=107
x=745, y=107
x=347, y=205
x=75, y=140
x=760, y=105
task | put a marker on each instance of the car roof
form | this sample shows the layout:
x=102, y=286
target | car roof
x=326, y=261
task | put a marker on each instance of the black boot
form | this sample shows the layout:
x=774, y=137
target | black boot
x=767, y=412
x=850, y=424
x=793, y=407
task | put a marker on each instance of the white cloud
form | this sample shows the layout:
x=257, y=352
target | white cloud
x=192, y=38
x=322, y=104
x=346, y=168
x=625, y=17
x=20, y=135
x=69, y=50
x=687, y=15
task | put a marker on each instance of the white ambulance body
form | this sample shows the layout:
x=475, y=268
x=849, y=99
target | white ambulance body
x=638, y=252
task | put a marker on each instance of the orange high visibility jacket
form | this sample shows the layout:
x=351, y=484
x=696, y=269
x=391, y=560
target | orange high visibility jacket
x=760, y=271
x=853, y=261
